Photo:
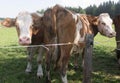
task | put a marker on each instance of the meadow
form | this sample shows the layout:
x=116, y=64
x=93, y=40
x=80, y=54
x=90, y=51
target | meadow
x=13, y=62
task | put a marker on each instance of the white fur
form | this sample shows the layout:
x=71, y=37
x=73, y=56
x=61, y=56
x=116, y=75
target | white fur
x=39, y=59
x=107, y=28
x=39, y=14
x=77, y=33
x=40, y=71
x=24, y=21
x=29, y=67
x=64, y=79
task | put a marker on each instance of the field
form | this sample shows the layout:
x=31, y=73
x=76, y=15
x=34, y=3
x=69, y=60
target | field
x=13, y=62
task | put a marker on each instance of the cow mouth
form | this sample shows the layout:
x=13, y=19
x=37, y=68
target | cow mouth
x=112, y=35
x=25, y=44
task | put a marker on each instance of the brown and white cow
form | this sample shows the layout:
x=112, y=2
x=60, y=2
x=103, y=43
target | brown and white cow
x=65, y=27
x=97, y=24
x=116, y=22
x=29, y=29
x=33, y=29
x=70, y=27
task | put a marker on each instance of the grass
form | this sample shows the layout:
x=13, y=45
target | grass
x=13, y=62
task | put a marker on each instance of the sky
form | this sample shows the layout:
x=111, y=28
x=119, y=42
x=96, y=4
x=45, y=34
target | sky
x=11, y=8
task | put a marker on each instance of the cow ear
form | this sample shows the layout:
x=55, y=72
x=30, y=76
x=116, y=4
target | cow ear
x=95, y=21
x=8, y=22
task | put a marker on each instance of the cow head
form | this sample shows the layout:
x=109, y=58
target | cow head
x=105, y=25
x=8, y=22
x=24, y=27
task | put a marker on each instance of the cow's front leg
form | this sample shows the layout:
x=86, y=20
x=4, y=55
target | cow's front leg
x=39, y=60
x=31, y=52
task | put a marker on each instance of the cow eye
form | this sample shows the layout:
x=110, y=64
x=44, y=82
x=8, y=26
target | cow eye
x=103, y=23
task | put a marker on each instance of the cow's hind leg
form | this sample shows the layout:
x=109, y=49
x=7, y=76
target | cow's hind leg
x=63, y=70
x=31, y=52
x=64, y=58
x=76, y=60
x=39, y=60
x=48, y=63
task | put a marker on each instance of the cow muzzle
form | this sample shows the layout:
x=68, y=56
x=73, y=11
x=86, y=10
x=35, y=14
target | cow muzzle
x=113, y=34
x=24, y=41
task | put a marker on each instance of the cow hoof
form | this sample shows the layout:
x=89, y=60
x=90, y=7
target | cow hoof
x=40, y=75
x=28, y=71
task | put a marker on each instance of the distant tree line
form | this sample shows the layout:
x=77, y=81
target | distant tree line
x=106, y=7
x=1, y=19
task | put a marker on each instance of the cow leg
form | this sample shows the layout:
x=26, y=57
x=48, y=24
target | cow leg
x=76, y=61
x=63, y=71
x=48, y=60
x=31, y=52
x=39, y=60
x=65, y=54
x=83, y=58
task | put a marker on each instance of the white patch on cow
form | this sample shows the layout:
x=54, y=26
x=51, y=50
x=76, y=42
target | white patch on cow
x=39, y=14
x=105, y=25
x=64, y=79
x=29, y=67
x=40, y=71
x=24, y=22
x=74, y=17
x=78, y=37
x=77, y=33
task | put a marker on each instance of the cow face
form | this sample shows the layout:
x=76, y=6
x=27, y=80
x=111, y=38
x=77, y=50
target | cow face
x=105, y=25
x=8, y=22
x=24, y=28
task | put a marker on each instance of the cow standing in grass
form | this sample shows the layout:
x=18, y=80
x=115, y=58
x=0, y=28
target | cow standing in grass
x=70, y=27
x=116, y=22
x=97, y=24
x=64, y=26
x=34, y=29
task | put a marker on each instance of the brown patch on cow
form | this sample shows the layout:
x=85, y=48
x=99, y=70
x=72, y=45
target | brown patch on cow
x=8, y=22
x=86, y=26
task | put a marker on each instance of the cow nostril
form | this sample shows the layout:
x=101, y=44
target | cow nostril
x=111, y=33
x=20, y=40
x=27, y=39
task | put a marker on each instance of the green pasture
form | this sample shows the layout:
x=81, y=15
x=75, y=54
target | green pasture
x=13, y=62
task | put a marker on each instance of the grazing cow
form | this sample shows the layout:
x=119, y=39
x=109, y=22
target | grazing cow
x=97, y=24
x=70, y=27
x=116, y=22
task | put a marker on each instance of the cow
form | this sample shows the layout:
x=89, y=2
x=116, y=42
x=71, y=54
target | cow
x=70, y=27
x=116, y=22
x=63, y=26
x=95, y=23
x=34, y=29
x=29, y=29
